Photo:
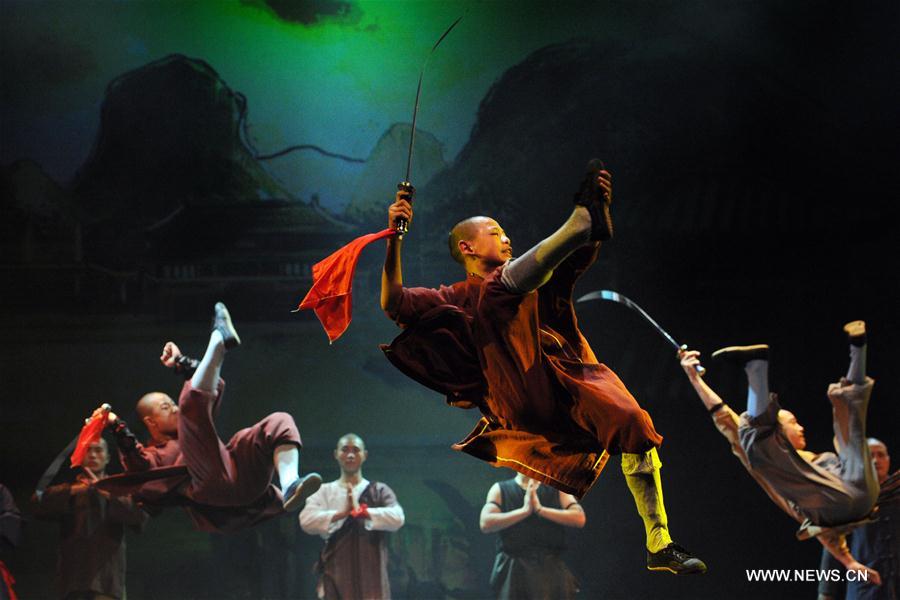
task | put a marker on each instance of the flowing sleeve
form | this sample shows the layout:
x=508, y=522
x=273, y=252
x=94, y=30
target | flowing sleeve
x=124, y=510
x=415, y=302
x=133, y=455
x=387, y=517
x=315, y=518
x=54, y=502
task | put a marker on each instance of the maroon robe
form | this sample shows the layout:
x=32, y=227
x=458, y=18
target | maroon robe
x=91, y=558
x=224, y=487
x=353, y=563
x=550, y=410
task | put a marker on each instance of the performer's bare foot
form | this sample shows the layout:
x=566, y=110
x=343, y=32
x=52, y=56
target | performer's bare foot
x=222, y=323
x=296, y=494
x=675, y=559
x=741, y=355
x=856, y=332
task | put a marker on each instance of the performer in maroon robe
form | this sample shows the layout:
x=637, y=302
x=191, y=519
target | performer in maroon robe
x=353, y=515
x=506, y=340
x=91, y=556
x=223, y=486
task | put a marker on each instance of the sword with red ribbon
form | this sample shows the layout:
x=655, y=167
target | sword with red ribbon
x=90, y=434
x=331, y=293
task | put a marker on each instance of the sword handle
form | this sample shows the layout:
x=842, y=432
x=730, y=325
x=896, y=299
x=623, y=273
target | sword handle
x=403, y=224
x=701, y=370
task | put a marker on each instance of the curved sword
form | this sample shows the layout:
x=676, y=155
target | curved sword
x=624, y=300
x=405, y=185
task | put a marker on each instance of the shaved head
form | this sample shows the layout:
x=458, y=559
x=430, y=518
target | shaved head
x=148, y=402
x=464, y=230
x=876, y=442
x=879, y=452
x=350, y=455
x=351, y=438
x=159, y=413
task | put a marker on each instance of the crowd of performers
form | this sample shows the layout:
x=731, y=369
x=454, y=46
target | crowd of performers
x=504, y=340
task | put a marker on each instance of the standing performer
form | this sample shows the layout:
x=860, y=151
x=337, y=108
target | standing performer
x=873, y=543
x=530, y=519
x=223, y=486
x=91, y=563
x=507, y=341
x=825, y=491
x=352, y=514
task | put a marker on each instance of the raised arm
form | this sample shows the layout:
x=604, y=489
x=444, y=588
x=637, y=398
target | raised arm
x=392, y=275
x=689, y=360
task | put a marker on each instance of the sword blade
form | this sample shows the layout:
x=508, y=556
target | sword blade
x=412, y=135
x=620, y=299
x=625, y=301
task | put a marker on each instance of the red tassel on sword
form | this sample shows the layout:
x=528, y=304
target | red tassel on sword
x=90, y=434
x=331, y=293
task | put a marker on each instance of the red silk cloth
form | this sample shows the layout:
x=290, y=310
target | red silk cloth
x=90, y=434
x=361, y=512
x=331, y=293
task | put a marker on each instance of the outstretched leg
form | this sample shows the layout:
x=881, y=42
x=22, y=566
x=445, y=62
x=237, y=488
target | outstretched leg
x=642, y=474
x=755, y=362
x=223, y=337
x=856, y=334
x=532, y=270
x=238, y=473
x=294, y=489
x=589, y=221
x=850, y=402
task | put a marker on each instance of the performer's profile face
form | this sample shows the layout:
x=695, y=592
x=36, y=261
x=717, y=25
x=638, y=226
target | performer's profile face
x=488, y=242
x=793, y=430
x=350, y=453
x=881, y=458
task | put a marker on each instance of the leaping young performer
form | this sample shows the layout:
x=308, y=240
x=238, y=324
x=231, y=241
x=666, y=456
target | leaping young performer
x=506, y=340
x=827, y=492
x=223, y=487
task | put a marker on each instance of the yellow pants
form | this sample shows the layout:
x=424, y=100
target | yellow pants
x=643, y=479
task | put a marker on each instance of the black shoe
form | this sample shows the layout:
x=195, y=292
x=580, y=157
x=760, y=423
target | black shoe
x=675, y=559
x=222, y=323
x=590, y=195
x=856, y=332
x=297, y=493
x=741, y=355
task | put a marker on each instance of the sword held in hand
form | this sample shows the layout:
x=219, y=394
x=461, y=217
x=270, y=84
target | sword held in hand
x=405, y=185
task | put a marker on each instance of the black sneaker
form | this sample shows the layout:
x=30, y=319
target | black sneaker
x=222, y=323
x=856, y=332
x=741, y=355
x=675, y=559
x=590, y=195
x=297, y=493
